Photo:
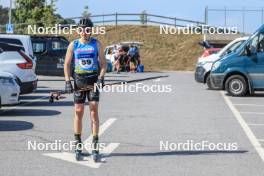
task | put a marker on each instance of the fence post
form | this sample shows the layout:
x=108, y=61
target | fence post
x=146, y=18
x=103, y=19
x=175, y=22
x=116, y=19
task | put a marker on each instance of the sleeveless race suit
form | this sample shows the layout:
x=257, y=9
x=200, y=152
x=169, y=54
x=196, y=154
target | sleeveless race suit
x=86, y=69
x=86, y=57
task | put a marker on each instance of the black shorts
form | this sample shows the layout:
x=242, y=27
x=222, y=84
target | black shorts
x=80, y=96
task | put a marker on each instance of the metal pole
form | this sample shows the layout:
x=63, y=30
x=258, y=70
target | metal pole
x=206, y=15
x=10, y=12
x=205, y=20
x=175, y=22
x=225, y=15
x=243, y=22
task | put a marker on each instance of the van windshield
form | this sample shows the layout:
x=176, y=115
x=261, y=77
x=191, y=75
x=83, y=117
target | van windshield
x=234, y=47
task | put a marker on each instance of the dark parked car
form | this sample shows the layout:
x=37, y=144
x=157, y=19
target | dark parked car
x=50, y=52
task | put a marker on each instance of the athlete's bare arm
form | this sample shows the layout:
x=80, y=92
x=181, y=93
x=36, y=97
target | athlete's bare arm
x=102, y=60
x=67, y=62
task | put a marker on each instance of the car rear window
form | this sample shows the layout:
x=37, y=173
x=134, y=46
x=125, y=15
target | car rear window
x=59, y=45
x=9, y=47
x=12, y=42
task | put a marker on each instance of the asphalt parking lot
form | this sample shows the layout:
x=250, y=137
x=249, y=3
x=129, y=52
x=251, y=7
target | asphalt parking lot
x=133, y=125
x=251, y=114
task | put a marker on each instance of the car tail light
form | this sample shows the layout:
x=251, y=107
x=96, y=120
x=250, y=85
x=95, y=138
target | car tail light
x=28, y=64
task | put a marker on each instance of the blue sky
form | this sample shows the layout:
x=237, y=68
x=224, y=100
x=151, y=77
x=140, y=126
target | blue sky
x=190, y=9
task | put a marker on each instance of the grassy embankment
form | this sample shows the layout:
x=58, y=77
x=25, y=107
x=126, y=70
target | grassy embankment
x=160, y=52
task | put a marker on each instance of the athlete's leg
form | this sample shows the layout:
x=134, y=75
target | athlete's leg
x=79, y=100
x=79, y=111
x=93, y=105
x=93, y=98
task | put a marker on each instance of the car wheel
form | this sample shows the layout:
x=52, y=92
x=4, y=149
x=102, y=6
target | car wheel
x=236, y=85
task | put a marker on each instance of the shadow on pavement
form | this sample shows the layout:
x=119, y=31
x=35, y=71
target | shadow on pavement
x=171, y=153
x=32, y=97
x=43, y=87
x=62, y=79
x=116, y=76
x=261, y=95
x=47, y=90
x=29, y=112
x=12, y=125
x=47, y=103
x=117, y=80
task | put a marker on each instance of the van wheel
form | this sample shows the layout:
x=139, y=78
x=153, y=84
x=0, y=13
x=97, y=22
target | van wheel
x=236, y=85
x=208, y=83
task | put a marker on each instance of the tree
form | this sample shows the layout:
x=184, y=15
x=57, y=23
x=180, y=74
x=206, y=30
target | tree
x=3, y=15
x=35, y=12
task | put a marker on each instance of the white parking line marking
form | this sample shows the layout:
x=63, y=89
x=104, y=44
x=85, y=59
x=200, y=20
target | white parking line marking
x=87, y=161
x=258, y=113
x=255, y=124
x=248, y=105
x=254, y=141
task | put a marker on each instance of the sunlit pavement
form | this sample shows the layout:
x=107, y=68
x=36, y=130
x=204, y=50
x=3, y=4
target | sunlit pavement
x=134, y=125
